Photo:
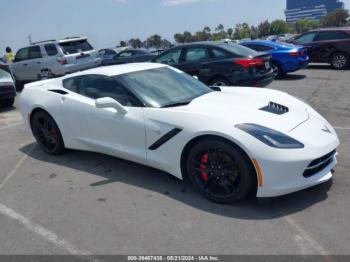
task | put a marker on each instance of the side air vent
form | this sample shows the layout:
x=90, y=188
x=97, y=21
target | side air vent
x=275, y=108
x=58, y=91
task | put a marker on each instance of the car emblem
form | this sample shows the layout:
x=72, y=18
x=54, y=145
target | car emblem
x=326, y=129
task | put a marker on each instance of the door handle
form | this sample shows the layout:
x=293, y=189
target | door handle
x=38, y=63
x=25, y=64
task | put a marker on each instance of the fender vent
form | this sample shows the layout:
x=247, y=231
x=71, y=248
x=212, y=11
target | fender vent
x=275, y=108
x=58, y=91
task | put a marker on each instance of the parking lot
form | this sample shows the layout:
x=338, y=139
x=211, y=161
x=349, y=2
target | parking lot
x=87, y=203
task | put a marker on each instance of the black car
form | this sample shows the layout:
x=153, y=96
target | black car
x=129, y=56
x=219, y=63
x=7, y=86
x=327, y=45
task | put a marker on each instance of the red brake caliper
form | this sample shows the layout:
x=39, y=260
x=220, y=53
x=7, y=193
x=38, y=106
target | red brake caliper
x=53, y=135
x=204, y=162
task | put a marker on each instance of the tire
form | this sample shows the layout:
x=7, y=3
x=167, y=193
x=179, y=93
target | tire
x=220, y=171
x=7, y=102
x=47, y=133
x=220, y=81
x=339, y=60
x=277, y=70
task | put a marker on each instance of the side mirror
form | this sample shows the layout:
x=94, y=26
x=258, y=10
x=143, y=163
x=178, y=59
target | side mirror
x=108, y=102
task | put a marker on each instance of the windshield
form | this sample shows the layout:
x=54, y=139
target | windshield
x=163, y=86
x=74, y=47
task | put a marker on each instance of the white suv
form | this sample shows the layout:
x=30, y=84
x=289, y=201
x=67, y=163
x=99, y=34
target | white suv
x=53, y=58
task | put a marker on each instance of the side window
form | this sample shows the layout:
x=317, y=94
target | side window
x=125, y=54
x=51, y=49
x=259, y=48
x=171, y=57
x=218, y=53
x=72, y=84
x=97, y=86
x=330, y=35
x=307, y=38
x=194, y=54
x=34, y=52
x=22, y=54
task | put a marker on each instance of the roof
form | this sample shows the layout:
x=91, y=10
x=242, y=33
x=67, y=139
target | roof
x=269, y=43
x=114, y=70
x=331, y=28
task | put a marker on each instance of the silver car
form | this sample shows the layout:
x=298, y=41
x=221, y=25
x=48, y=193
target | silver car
x=53, y=58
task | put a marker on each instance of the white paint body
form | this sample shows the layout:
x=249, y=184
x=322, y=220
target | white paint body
x=86, y=127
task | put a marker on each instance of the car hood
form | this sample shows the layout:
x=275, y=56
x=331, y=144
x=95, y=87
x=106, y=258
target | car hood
x=266, y=107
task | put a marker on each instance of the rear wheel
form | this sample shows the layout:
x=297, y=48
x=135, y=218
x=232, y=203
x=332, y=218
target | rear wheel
x=220, y=171
x=277, y=70
x=339, y=60
x=47, y=133
x=219, y=82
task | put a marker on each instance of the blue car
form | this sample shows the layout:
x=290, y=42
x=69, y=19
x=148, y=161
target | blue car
x=286, y=58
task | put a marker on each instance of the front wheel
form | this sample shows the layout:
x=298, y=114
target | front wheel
x=47, y=133
x=339, y=60
x=220, y=171
x=219, y=82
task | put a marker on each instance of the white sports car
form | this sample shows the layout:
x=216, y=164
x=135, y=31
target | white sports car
x=229, y=142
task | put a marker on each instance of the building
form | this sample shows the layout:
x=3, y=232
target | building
x=310, y=9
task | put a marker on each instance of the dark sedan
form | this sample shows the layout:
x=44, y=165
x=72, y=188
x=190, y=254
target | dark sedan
x=129, y=56
x=219, y=63
x=327, y=45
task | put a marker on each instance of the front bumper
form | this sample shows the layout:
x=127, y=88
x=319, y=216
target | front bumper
x=7, y=92
x=283, y=170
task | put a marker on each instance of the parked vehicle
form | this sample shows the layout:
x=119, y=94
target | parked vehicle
x=7, y=87
x=327, y=45
x=220, y=63
x=107, y=53
x=229, y=143
x=129, y=56
x=286, y=58
x=53, y=58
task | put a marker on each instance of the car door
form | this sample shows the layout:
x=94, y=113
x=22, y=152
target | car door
x=106, y=130
x=33, y=64
x=171, y=57
x=196, y=62
x=20, y=64
x=327, y=41
x=313, y=48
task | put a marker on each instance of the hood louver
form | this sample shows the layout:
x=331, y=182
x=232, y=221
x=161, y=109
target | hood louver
x=275, y=108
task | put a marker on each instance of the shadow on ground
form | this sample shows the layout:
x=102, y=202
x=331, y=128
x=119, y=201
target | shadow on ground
x=6, y=109
x=114, y=170
x=292, y=77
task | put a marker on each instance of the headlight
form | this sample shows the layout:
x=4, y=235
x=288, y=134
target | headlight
x=270, y=137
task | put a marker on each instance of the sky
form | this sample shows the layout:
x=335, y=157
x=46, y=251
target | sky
x=106, y=22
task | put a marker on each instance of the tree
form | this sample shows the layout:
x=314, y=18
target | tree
x=220, y=28
x=179, y=38
x=338, y=17
x=279, y=27
x=254, y=34
x=122, y=43
x=229, y=32
x=135, y=43
x=154, y=41
x=304, y=25
x=264, y=28
x=207, y=29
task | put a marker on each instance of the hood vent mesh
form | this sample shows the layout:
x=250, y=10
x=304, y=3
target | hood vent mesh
x=275, y=108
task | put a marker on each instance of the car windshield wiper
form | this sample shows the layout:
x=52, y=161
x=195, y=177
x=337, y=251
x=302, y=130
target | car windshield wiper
x=182, y=103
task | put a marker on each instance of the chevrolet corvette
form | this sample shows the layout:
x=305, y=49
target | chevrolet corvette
x=229, y=142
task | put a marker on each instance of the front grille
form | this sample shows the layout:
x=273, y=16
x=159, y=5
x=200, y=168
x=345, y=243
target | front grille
x=275, y=108
x=319, y=164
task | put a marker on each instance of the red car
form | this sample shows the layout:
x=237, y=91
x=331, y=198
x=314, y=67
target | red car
x=327, y=45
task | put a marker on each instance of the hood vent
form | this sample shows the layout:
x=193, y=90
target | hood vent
x=275, y=108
